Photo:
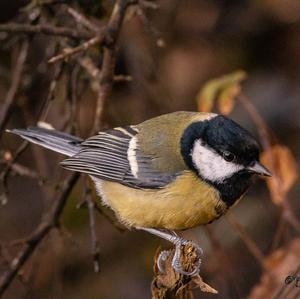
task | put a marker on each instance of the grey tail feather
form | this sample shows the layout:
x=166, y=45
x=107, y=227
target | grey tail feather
x=60, y=142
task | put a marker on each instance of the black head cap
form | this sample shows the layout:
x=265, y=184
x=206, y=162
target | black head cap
x=222, y=135
x=228, y=141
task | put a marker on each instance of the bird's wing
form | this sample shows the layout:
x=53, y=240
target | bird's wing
x=114, y=155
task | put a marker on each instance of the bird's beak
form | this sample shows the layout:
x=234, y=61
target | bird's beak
x=259, y=169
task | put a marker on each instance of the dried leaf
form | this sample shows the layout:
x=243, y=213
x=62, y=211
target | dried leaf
x=226, y=98
x=206, y=96
x=204, y=287
x=172, y=284
x=223, y=89
x=283, y=166
x=283, y=264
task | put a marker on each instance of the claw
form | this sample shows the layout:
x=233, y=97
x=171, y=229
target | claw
x=162, y=259
x=176, y=264
x=172, y=237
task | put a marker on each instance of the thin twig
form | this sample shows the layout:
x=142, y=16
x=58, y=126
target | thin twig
x=230, y=280
x=281, y=225
x=44, y=109
x=94, y=239
x=289, y=216
x=122, y=78
x=51, y=218
x=89, y=66
x=80, y=18
x=67, y=52
x=24, y=171
x=251, y=245
x=6, y=171
x=73, y=98
x=107, y=35
x=49, y=221
x=261, y=125
x=44, y=29
x=15, y=82
x=41, y=116
x=109, y=57
x=265, y=139
x=6, y=257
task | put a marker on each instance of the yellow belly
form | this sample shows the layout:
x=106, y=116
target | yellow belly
x=183, y=204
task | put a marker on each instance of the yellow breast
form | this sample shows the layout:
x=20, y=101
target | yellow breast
x=185, y=203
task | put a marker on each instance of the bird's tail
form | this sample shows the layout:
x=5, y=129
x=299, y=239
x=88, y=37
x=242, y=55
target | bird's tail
x=54, y=140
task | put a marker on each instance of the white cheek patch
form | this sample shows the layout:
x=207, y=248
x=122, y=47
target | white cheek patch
x=211, y=165
x=131, y=156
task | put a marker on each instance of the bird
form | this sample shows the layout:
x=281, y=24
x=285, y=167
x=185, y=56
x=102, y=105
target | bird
x=170, y=173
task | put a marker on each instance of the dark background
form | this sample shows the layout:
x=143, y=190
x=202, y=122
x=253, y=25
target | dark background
x=170, y=55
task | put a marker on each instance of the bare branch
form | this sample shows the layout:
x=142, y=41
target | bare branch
x=265, y=139
x=16, y=79
x=44, y=29
x=94, y=239
x=107, y=35
x=67, y=52
x=49, y=221
x=251, y=245
x=109, y=57
x=80, y=18
x=106, y=78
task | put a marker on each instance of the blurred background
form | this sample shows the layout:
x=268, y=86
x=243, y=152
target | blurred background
x=166, y=52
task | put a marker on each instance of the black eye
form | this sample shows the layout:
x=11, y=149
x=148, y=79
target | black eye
x=228, y=156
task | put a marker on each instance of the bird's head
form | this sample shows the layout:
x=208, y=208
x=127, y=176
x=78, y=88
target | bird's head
x=221, y=152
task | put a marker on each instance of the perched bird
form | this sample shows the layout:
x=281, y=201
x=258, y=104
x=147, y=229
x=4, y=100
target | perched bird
x=172, y=172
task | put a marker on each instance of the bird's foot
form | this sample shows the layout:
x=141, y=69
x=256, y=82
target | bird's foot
x=192, y=252
x=176, y=260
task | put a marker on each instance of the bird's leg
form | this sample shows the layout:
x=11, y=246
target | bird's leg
x=172, y=237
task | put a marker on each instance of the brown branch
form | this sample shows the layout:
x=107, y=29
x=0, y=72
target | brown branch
x=15, y=79
x=6, y=257
x=73, y=98
x=106, y=79
x=94, y=239
x=122, y=78
x=44, y=29
x=67, y=52
x=5, y=172
x=107, y=35
x=261, y=125
x=250, y=244
x=224, y=261
x=109, y=57
x=89, y=67
x=24, y=171
x=289, y=216
x=265, y=139
x=80, y=18
x=41, y=116
x=49, y=221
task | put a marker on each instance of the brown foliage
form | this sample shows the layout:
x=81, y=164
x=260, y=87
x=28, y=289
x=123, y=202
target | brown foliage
x=280, y=160
x=275, y=283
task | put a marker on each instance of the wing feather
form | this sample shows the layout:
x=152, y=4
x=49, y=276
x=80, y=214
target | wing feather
x=110, y=156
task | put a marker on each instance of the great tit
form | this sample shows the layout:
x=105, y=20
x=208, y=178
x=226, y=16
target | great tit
x=172, y=172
